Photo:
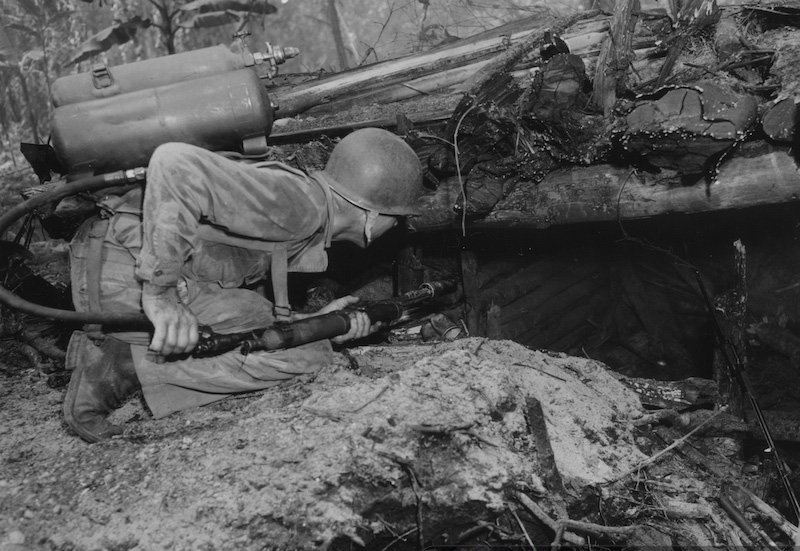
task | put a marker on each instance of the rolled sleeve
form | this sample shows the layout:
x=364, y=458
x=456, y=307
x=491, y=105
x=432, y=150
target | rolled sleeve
x=158, y=272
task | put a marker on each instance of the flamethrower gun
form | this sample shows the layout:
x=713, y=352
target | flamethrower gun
x=291, y=334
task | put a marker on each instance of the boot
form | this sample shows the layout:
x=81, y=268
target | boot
x=103, y=378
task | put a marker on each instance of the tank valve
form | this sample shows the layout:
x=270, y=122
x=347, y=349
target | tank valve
x=275, y=56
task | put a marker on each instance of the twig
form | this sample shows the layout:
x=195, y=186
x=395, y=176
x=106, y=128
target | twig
x=771, y=513
x=619, y=197
x=562, y=526
x=652, y=459
x=590, y=528
x=477, y=529
x=371, y=49
x=412, y=477
x=524, y=531
x=458, y=171
x=481, y=438
x=336, y=415
x=415, y=487
x=441, y=430
x=539, y=513
x=323, y=413
x=540, y=371
x=368, y=402
x=47, y=348
x=669, y=416
x=427, y=136
x=417, y=90
x=401, y=537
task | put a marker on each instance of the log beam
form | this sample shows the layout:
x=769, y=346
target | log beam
x=756, y=175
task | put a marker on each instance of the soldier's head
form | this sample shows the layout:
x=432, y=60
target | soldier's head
x=379, y=173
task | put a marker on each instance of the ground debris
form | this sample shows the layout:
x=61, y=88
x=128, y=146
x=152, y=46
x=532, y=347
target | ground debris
x=433, y=445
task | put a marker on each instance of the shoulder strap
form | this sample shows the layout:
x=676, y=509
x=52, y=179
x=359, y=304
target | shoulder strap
x=279, y=270
x=94, y=266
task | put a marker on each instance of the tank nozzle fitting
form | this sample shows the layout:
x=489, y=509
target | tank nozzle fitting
x=275, y=56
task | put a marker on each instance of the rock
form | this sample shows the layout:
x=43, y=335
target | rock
x=15, y=537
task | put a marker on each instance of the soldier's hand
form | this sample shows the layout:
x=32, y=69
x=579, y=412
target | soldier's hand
x=360, y=325
x=174, y=326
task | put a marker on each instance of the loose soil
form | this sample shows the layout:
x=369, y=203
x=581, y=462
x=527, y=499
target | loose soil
x=327, y=456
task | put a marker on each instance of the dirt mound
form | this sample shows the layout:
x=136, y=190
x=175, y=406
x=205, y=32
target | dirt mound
x=403, y=445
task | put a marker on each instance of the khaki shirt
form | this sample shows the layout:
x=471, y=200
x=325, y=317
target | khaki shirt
x=224, y=232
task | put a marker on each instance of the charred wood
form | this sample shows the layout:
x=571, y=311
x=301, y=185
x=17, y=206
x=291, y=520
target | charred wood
x=731, y=310
x=616, y=56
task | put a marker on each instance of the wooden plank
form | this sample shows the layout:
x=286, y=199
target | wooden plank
x=423, y=119
x=529, y=302
x=553, y=314
x=544, y=335
x=439, y=65
x=503, y=291
x=301, y=98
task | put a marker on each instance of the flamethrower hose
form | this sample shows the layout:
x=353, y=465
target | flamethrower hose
x=92, y=183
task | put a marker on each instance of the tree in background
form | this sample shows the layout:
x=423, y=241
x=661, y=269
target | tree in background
x=30, y=58
x=171, y=19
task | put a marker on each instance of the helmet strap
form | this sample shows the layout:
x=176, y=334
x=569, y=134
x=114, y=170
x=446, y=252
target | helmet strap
x=371, y=217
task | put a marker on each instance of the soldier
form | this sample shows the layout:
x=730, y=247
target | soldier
x=186, y=249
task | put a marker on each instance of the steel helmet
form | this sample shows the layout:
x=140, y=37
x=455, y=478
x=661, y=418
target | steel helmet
x=376, y=170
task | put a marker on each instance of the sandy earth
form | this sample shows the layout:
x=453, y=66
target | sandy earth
x=385, y=440
x=329, y=456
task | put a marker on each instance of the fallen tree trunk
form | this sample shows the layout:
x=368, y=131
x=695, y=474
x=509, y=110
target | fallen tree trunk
x=756, y=175
x=605, y=193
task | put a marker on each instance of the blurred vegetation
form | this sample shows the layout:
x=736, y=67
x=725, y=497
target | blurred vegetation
x=41, y=40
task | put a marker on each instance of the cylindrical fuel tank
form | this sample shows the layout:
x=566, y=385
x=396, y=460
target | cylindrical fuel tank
x=218, y=112
x=103, y=82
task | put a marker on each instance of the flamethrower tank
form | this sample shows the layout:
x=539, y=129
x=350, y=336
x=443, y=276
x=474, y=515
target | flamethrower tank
x=103, y=81
x=221, y=112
